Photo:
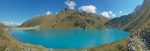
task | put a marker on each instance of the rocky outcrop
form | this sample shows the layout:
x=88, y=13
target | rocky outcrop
x=145, y=37
x=139, y=40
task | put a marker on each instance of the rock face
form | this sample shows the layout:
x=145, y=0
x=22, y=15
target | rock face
x=68, y=19
x=139, y=40
x=145, y=36
x=134, y=20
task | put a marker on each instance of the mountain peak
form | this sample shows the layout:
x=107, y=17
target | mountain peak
x=68, y=18
x=66, y=10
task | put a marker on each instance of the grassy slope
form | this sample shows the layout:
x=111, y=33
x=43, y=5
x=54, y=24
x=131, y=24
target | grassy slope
x=68, y=19
x=115, y=46
x=8, y=43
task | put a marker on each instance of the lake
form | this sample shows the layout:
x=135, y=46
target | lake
x=69, y=38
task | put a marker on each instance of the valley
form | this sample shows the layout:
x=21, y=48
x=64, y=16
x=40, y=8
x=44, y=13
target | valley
x=137, y=23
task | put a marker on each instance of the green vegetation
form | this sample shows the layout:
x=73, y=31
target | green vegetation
x=1, y=49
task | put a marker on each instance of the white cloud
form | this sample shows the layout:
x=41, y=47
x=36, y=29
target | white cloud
x=112, y=14
x=70, y=4
x=88, y=9
x=11, y=23
x=108, y=14
x=48, y=13
x=120, y=12
x=123, y=12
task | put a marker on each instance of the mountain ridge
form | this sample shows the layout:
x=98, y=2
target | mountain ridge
x=68, y=19
x=134, y=20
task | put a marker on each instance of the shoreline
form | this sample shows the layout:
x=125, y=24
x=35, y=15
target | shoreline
x=39, y=47
x=23, y=28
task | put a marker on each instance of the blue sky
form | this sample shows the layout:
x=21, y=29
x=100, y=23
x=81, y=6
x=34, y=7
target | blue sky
x=23, y=10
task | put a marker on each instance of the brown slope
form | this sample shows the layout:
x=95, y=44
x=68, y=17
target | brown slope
x=68, y=19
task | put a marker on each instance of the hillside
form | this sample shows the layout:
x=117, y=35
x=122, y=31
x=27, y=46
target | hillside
x=2, y=26
x=68, y=19
x=133, y=21
x=137, y=22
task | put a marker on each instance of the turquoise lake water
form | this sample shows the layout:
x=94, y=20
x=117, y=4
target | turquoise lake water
x=69, y=38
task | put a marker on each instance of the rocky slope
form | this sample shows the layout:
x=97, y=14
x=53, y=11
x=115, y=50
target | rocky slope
x=68, y=19
x=134, y=20
x=139, y=40
x=137, y=22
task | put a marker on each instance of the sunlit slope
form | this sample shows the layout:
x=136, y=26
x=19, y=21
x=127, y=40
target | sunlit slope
x=68, y=19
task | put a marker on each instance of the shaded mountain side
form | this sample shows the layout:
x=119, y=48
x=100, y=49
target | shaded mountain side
x=139, y=23
x=119, y=22
x=68, y=19
x=134, y=20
